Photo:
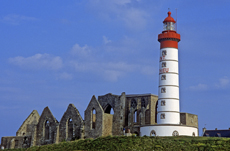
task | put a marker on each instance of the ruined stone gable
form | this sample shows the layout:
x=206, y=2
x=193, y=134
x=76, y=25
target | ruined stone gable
x=94, y=116
x=27, y=126
x=117, y=103
x=71, y=125
x=46, y=128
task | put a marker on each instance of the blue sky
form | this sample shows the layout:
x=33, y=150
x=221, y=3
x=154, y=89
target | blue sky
x=53, y=53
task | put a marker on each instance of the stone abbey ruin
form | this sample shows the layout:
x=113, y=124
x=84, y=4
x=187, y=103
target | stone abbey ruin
x=130, y=112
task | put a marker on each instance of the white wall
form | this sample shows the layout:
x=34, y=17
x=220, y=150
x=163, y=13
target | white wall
x=168, y=130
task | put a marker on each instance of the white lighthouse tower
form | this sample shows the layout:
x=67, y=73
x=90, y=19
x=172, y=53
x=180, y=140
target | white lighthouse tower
x=170, y=122
x=168, y=90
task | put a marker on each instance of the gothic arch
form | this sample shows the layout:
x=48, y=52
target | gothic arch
x=46, y=129
x=153, y=133
x=108, y=109
x=69, y=129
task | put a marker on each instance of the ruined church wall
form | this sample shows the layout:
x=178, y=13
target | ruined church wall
x=118, y=105
x=69, y=130
x=108, y=123
x=95, y=132
x=27, y=126
x=140, y=110
x=42, y=132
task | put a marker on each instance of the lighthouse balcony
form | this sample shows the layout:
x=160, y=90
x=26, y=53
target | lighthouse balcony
x=166, y=35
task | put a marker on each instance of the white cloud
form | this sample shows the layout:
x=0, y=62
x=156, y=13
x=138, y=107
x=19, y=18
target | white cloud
x=65, y=76
x=81, y=51
x=134, y=18
x=121, y=10
x=38, y=61
x=199, y=87
x=17, y=19
x=106, y=40
x=121, y=2
x=223, y=82
x=110, y=71
x=112, y=75
x=109, y=61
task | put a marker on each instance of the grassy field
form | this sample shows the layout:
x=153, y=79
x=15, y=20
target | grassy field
x=122, y=143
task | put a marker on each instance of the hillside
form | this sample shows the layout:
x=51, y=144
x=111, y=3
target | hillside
x=139, y=143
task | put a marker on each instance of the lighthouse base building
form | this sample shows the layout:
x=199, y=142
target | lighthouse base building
x=181, y=129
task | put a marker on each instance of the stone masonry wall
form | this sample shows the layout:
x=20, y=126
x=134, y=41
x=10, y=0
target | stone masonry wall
x=189, y=119
x=117, y=103
x=14, y=142
x=26, y=128
x=108, y=124
x=143, y=108
x=97, y=131
x=71, y=124
x=46, y=128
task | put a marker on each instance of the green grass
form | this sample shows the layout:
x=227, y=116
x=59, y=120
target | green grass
x=122, y=143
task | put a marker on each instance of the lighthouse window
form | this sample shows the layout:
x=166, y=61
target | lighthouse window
x=163, y=77
x=163, y=64
x=163, y=116
x=164, y=53
x=163, y=90
x=163, y=103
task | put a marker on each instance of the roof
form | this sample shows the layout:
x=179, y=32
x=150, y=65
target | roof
x=169, y=18
x=217, y=133
x=136, y=95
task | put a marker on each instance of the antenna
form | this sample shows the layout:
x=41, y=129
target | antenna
x=176, y=19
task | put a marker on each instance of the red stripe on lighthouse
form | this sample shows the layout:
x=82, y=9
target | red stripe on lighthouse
x=169, y=43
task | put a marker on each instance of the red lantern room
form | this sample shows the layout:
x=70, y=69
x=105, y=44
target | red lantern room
x=169, y=37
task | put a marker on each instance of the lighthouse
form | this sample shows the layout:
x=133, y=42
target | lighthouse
x=170, y=121
x=168, y=90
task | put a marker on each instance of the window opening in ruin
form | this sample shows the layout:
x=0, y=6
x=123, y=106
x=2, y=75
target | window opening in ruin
x=133, y=103
x=163, y=90
x=109, y=109
x=93, y=120
x=175, y=133
x=16, y=144
x=69, y=129
x=152, y=133
x=23, y=134
x=47, y=129
x=143, y=103
x=135, y=116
